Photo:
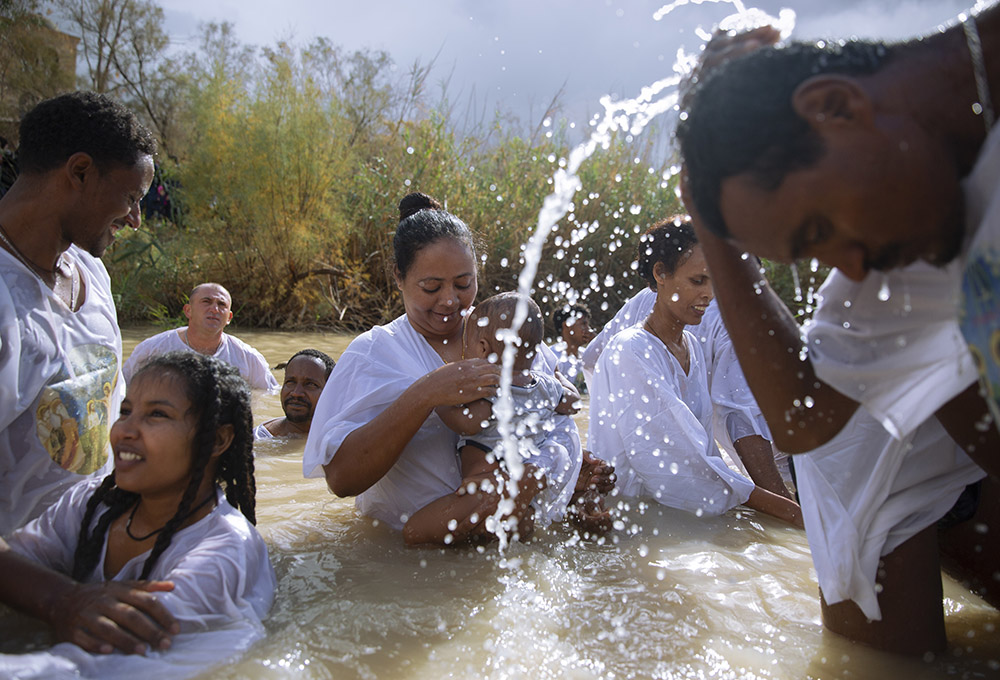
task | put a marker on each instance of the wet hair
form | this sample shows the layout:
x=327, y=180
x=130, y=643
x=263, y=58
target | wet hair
x=421, y=223
x=668, y=241
x=499, y=311
x=415, y=202
x=324, y=358
x=219, y=396
x=740, y=118
x=568, y=312
x=86, y=122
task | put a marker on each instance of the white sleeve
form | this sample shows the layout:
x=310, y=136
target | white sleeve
x=259, y=374
x=220, y=580
x=634, y=311
x=51, y=538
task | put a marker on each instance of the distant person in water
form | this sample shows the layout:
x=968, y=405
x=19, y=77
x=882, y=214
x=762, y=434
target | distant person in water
x=572, y=324
x=305, y=376
x=209, y=310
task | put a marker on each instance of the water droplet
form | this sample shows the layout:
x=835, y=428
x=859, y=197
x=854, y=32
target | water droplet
x=883, y=291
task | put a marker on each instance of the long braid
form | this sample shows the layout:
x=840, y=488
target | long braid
x=236, y=468
x=90, y=543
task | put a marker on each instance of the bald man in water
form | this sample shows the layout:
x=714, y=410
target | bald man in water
x=209, y=311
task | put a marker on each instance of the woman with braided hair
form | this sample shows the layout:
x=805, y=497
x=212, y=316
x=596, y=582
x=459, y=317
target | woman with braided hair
x=179, y=507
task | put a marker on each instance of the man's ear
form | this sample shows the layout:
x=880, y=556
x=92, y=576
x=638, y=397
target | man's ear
x=187, y=310
x=79, y=167
x=828, y=98
x=223, y=438
x=398, y=276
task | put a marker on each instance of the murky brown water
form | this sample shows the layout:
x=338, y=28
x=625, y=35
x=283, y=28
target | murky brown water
x=667, y=596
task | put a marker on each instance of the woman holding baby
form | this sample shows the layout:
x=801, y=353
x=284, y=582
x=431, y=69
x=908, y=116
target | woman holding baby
x=376, y=435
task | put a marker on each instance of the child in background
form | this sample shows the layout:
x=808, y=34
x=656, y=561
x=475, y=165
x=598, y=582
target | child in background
x=183, y=464
x=536, y=398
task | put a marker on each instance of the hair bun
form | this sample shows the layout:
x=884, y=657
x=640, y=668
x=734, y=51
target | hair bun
x=413, y=203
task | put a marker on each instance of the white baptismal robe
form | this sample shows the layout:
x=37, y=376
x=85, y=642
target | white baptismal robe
x=248, y=361
x=736, y=413
x=902, y=357
x=892, y=470
x=864, y=492
x=223, y=588
x=653, y=422
x=375, y=369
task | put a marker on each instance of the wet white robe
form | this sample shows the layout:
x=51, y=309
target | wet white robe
x=60, y=386
x=892, y=471
x=903, y=357
x=736, y=413
x=653, y=422
x=223, y=588
x=375, y=369
x=864, y=493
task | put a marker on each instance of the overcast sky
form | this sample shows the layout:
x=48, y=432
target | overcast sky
x=518, y=53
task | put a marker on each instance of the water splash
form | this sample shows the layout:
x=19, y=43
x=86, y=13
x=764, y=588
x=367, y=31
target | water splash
x=630, y=116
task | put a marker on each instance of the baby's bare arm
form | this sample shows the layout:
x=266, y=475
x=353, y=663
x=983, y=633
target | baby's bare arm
x=570, y=402
x=468, y=418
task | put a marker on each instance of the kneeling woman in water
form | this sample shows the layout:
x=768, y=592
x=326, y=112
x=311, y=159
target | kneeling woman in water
x=375, y=434
x=183, y=465
x=651, y=409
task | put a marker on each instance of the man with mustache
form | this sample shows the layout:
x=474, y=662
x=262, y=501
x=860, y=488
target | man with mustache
x=85, y=163
x=305, y=376
x=209, y=311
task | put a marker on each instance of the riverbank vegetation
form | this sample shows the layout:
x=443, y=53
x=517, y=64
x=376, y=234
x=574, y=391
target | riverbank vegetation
x=281, y=167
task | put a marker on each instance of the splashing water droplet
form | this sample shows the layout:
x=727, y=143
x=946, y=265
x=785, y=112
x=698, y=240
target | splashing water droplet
x=675, y=297
x=884, y=292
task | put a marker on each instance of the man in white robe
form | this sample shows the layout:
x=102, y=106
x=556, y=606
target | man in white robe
x=209, y=310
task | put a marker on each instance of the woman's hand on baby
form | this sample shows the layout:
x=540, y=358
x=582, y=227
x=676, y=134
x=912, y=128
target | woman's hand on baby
x=123, y=615
x=462, y=381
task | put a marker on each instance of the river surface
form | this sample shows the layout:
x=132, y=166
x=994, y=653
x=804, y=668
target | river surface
x=668, y=595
